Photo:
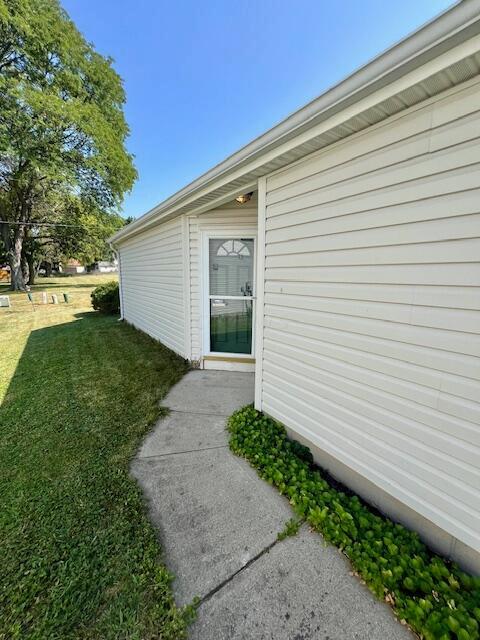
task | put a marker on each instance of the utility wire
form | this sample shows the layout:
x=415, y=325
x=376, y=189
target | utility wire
x=43, y=224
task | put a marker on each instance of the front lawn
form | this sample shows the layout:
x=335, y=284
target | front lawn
x=78, y=391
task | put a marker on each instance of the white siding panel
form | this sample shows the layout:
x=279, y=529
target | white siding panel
x=456, y=181
x=153, y=283
x=371, y=332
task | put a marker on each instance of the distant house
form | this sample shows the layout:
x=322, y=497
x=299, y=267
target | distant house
x=73, y=267
x=338, y=256
x=4, y=273
x=104, y=266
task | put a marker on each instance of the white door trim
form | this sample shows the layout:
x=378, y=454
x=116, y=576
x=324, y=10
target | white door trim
x=260, y=291
x=205, y=235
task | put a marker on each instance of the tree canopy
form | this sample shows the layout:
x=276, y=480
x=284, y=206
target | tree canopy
x=62, y=126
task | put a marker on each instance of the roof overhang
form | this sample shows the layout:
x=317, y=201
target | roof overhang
x=441, y=54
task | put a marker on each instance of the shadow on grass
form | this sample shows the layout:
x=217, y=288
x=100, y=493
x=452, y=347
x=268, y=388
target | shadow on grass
x=67, y=282
x=39, y=287
x=79, y=558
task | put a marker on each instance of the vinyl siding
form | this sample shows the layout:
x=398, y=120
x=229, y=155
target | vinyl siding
x=223, y=218
x=371, y=331
x=152, y=275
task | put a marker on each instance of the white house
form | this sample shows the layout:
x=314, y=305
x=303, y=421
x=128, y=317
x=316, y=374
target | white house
x=338, y=256
x=105, y=266
x=72, y=267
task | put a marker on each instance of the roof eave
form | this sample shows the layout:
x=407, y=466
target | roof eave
x=456, y=25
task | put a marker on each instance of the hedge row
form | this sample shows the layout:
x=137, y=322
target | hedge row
x=436, y=598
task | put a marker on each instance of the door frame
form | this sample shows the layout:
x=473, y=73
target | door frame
x=206, y=235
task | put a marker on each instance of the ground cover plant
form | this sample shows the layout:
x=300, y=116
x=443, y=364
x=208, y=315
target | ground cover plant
x=292, y=527
x=436, y=598
x=78, y=391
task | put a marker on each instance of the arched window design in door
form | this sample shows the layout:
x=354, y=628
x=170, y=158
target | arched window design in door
x=233, y=248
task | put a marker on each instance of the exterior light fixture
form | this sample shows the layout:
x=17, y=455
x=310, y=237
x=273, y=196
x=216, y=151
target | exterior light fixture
x=244, y=198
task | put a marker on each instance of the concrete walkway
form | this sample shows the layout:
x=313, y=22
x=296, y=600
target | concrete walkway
x=218, y=524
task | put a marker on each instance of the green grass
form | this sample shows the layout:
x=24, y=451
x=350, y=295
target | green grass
x=78, y=391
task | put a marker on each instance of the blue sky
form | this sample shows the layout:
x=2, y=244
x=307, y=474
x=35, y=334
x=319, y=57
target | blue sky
x=204, y=78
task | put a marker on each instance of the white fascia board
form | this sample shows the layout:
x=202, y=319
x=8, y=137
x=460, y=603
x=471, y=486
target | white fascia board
x=434, y=41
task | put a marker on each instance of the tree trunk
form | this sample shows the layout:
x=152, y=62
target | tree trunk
x=17, y=282
x=48, y=269
x=32, y=272
x=25, y=269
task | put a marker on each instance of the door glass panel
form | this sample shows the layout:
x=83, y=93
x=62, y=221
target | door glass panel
x=231, y=325
x=230, y=292
x=231, y=267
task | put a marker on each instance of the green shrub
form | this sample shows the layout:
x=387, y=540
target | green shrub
x=436, y=598
x=106, y=298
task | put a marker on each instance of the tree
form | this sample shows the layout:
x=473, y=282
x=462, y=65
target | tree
x=80, y=231
x=62, y=127
x=87, y=240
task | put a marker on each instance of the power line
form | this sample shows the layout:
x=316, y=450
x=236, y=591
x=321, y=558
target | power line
x=43, y=224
